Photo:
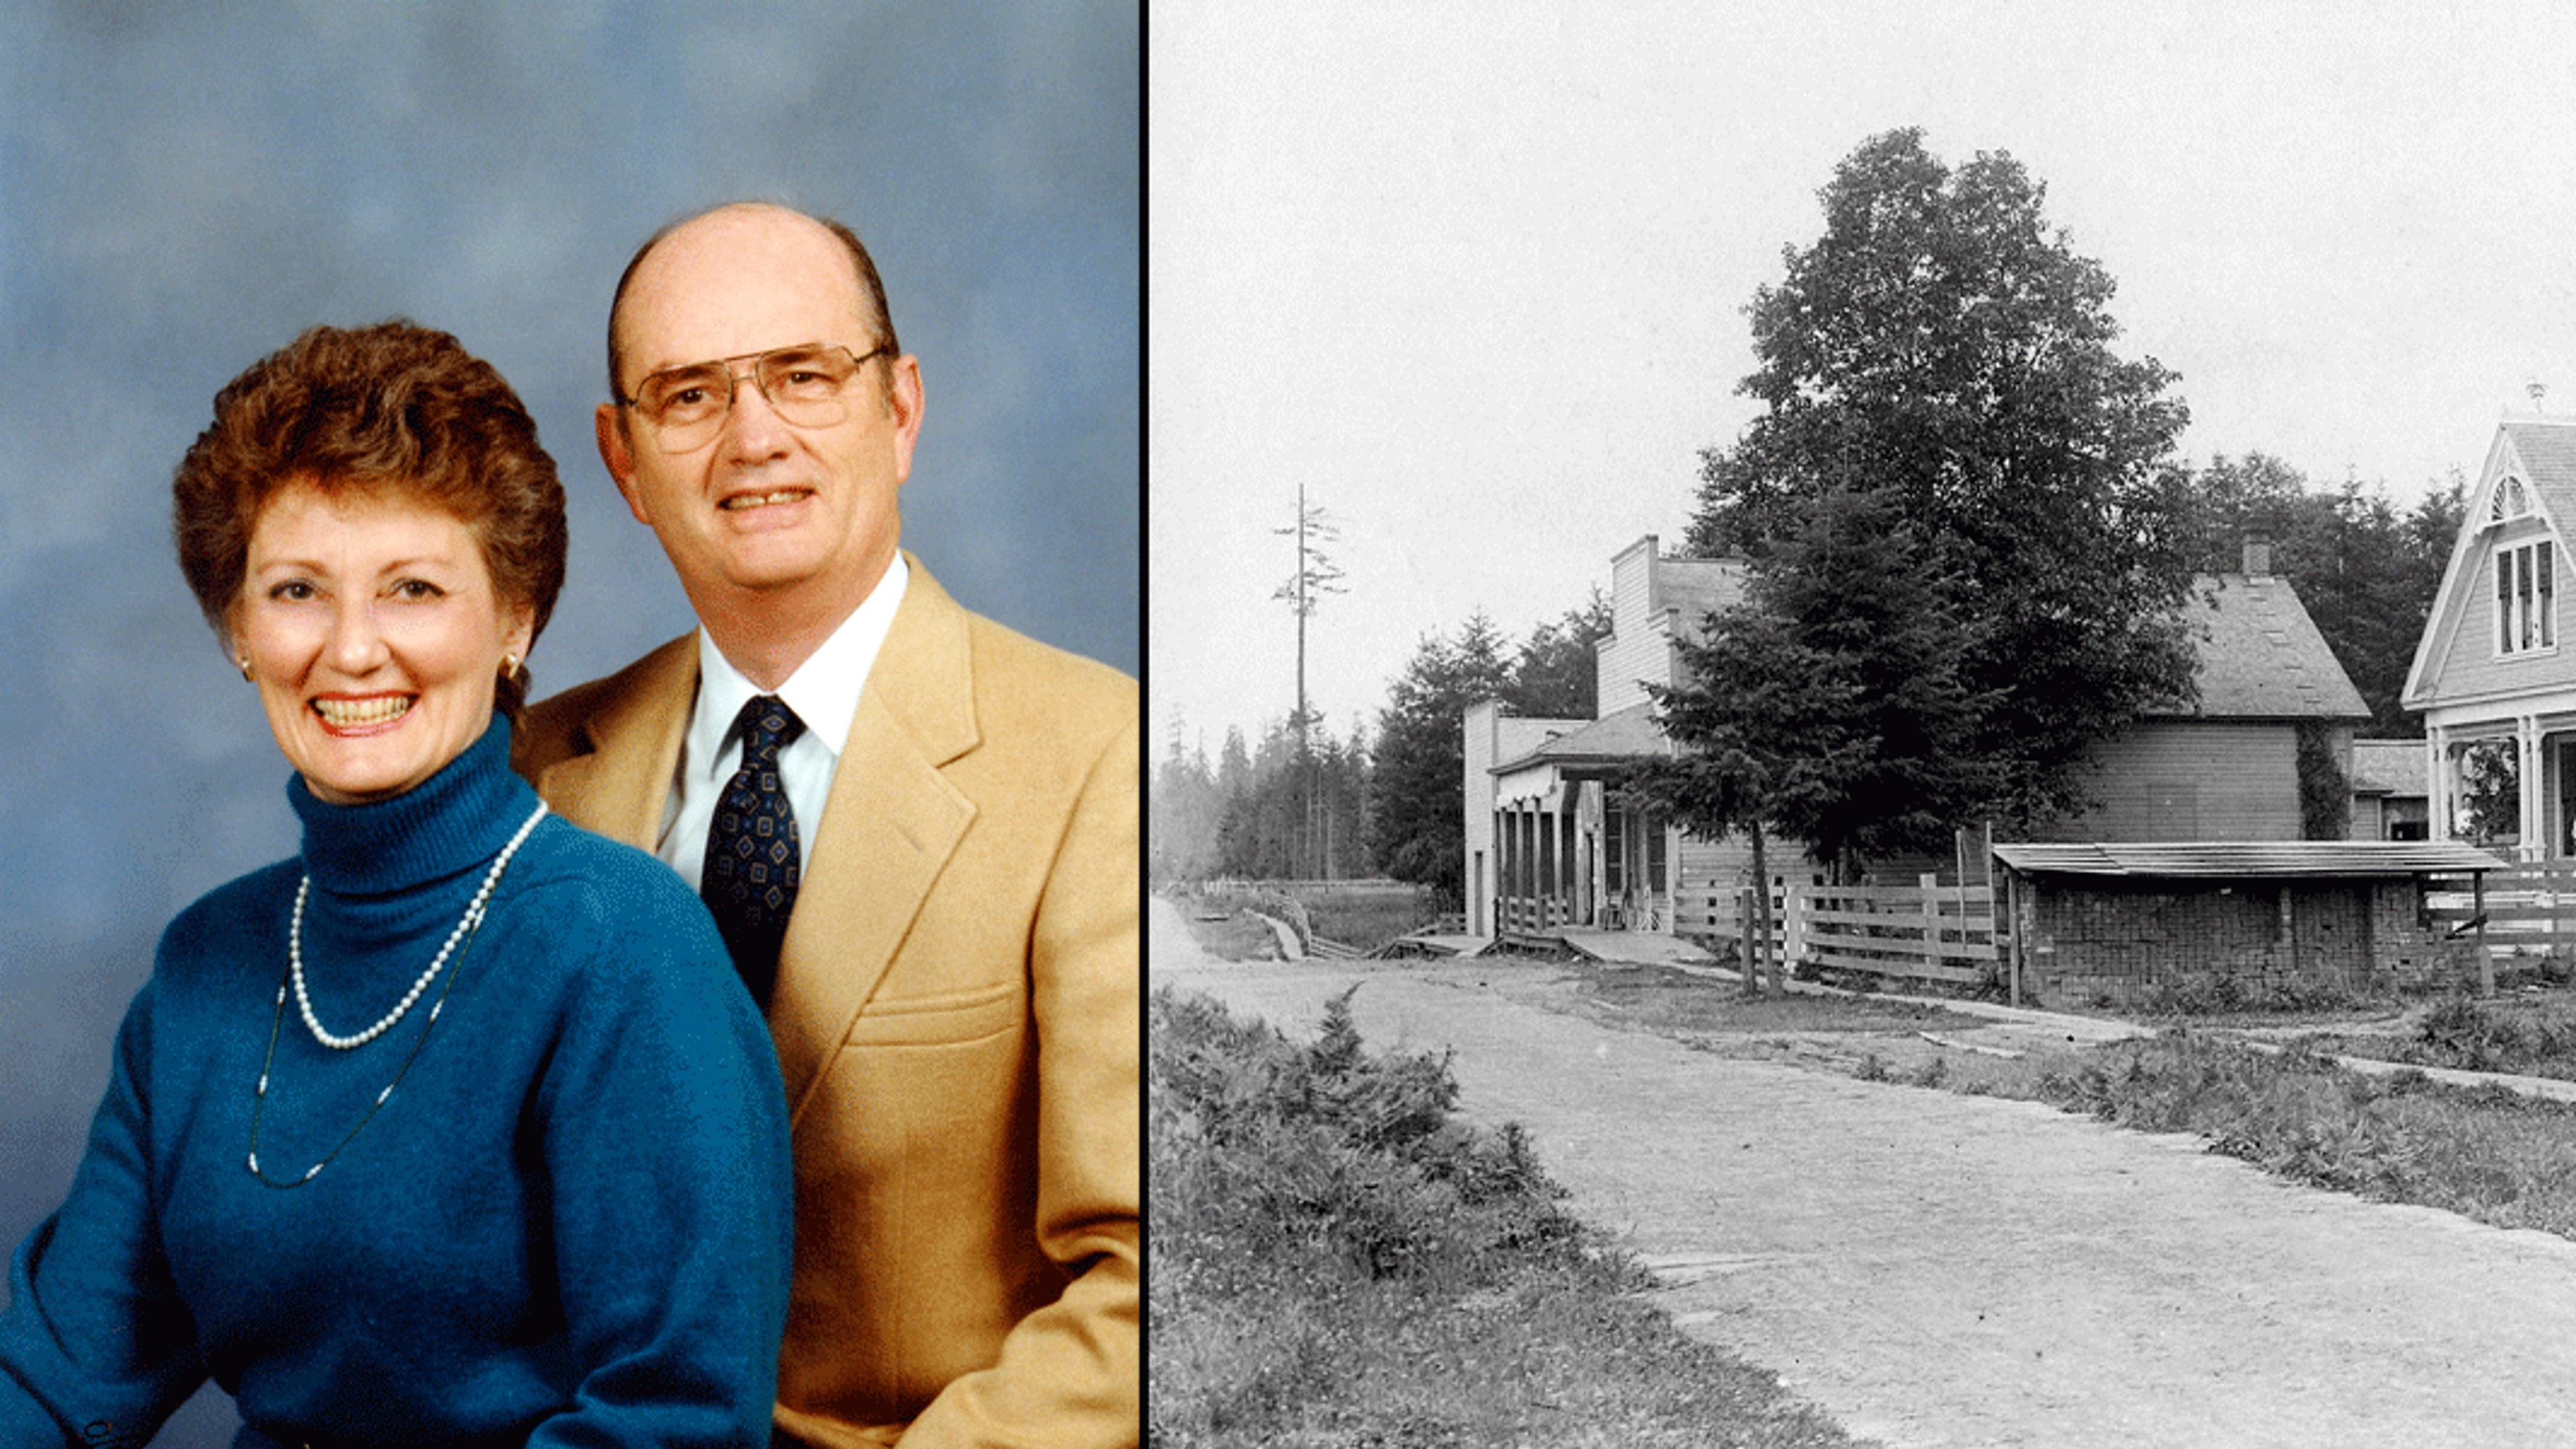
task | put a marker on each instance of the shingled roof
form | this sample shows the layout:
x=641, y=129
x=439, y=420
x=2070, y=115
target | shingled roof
x=2261, y=656
x=1629, y=734
x=2388, y=767
x=2548, y=454
x=2251, y=859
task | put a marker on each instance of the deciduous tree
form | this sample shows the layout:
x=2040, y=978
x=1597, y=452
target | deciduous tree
x=1943, y=351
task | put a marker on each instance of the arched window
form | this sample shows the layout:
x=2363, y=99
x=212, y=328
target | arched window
x=2512, y=500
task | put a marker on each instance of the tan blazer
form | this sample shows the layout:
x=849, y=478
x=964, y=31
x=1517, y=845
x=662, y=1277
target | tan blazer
x=957, y=1020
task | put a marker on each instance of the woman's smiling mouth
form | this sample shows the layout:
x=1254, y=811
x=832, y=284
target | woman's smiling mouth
x=361, y=714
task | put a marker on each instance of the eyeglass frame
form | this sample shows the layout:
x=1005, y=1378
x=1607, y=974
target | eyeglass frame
x=734, y=375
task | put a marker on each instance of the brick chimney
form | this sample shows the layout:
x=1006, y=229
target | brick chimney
x=2258, y=558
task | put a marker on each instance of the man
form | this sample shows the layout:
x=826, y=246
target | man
x=946, y=944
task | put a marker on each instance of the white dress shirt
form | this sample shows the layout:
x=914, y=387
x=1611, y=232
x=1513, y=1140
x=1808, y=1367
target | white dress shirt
x=824, y=692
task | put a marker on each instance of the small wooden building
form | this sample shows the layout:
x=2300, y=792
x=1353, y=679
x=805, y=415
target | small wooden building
x=2389, y=799
x=2111, y=923
x=2227, y=766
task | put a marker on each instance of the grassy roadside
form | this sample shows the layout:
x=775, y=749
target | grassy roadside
x=2486, y=1153
x=1362, y=916
x=2529, y=1035
x=1340, y=1260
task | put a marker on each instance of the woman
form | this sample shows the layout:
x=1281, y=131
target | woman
x=458, y=1128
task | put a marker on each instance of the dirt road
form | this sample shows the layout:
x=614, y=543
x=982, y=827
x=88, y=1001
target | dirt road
x=1941, y=1270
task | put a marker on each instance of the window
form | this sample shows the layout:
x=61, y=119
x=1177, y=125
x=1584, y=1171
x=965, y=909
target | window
x=2526, y=599
x=2511, y=501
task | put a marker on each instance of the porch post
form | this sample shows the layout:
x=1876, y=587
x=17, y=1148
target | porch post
x=1523, y=873
x=1632, y=858
x=1550, y=873
x=2437, y=783
x=1532, y=917
x=1565, y=835
x=1672, y=881
x=2535, y=822
x=1585, y=857
x=2012, y=918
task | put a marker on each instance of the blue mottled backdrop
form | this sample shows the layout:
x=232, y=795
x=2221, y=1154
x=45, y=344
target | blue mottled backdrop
x=184, y=187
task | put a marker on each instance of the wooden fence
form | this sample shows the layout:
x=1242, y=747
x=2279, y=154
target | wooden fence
x=1926, y=932
x=1714, y=912
x=2526, y=911
x=1530, y=915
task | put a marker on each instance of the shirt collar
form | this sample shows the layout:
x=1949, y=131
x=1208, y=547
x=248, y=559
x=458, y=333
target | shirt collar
x=824, y=691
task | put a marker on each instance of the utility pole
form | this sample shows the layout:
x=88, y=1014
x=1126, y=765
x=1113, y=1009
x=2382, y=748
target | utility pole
x=1316, y=576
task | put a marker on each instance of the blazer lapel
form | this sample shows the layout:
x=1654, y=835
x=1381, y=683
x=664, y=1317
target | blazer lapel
x=620, y=784
x=892, y=824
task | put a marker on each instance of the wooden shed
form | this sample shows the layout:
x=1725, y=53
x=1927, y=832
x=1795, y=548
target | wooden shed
x=2111, y=923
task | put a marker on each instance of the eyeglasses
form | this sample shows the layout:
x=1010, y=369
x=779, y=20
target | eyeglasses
x=806, y=384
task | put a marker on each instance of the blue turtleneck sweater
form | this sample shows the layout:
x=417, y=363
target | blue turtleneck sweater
x=568, y=1224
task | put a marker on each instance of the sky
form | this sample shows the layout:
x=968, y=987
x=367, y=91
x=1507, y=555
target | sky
x=185, y=187
x=1473, y=272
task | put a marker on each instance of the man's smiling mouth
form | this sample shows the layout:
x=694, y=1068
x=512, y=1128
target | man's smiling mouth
x=761, y=500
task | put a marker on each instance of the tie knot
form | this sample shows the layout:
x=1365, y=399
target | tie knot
x=767, y=726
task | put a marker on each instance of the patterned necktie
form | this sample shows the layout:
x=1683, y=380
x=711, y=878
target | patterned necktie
x=752, y=858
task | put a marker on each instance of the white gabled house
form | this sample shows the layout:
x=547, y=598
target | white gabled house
x=2494, y=674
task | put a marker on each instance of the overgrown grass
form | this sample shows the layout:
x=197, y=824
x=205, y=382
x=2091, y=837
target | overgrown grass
x=1229, y=933
x=2216, y=999
x=1680, y=1001
x=2226, y=998
x=1368, y=920
x=2529, y=1035
x=2487, y=1152
x=1365, y=914
x=1339, y=1260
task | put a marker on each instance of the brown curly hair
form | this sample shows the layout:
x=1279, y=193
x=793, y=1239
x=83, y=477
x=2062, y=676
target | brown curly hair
x=393, y=410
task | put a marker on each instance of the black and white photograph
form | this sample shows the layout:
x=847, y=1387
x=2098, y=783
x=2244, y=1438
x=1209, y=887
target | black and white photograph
x=1857, y=728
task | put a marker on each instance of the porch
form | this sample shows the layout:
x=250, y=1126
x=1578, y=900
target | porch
x=2504, y=782
x=1568, y=859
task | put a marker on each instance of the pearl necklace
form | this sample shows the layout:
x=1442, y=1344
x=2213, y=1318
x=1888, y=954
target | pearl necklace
x=466, y=927
x=472, y=918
